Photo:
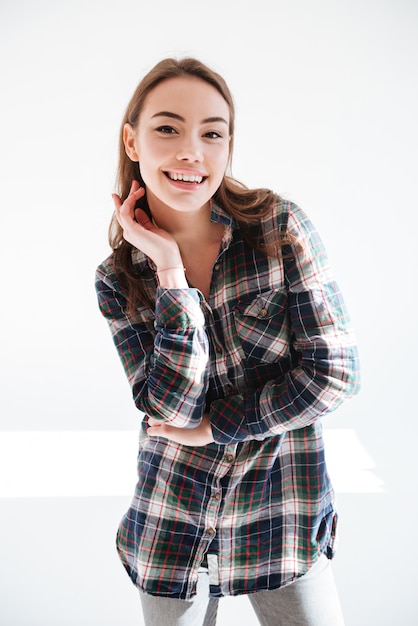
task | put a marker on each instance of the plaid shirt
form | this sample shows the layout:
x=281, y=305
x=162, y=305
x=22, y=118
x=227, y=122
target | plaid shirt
x=267, y=356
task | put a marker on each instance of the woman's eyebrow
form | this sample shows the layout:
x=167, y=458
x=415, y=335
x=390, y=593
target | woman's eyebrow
x=209, y=120
x=175, y=116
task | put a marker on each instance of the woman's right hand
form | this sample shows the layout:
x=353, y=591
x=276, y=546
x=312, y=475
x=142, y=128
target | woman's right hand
x=139, y=230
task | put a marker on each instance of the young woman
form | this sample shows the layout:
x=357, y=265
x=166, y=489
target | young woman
x=236, y=341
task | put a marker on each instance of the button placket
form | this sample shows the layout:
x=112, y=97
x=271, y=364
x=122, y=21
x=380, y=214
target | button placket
x=212, y=511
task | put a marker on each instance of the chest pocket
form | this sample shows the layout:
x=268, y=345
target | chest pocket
x=262, y=326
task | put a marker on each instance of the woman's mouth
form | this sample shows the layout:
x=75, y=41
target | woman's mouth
x=186, y=178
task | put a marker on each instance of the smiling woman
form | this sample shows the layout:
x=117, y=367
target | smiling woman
x=181, y=141
x=235, y=339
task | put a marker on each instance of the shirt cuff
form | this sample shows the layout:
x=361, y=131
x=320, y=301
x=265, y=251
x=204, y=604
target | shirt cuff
x=178, y=308
x=234, y=419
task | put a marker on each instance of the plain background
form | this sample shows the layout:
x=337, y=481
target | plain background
x=327, y=100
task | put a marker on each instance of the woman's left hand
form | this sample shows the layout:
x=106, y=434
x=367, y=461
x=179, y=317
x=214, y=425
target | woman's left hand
x=199, y=436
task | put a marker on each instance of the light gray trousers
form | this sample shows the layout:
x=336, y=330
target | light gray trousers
x=310, y=601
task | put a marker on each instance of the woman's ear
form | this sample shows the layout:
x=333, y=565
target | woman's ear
x=129, y=141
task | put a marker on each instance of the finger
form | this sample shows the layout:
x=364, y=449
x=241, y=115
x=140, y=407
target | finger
x=154, y=431
x=125, y=211
x=135, y=192
x=135, y=187
x=116, y=200
x=143, y=218
x=132, y=198
x=129, y=205
x=152, y=421
x=157, y=431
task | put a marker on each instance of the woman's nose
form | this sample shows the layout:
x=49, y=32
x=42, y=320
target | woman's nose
x=190, y=150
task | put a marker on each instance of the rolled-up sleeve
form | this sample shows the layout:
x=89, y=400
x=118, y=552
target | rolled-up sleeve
x=326, y=370
x=165, y=353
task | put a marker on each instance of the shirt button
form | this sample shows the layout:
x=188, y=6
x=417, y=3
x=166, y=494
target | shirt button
x=229, y=458
x=263, y=312
x=217, y=496
x=211, y=531
x=216, y=266
x=219, y=350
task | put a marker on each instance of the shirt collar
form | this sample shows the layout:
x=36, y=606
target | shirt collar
x=218, y=214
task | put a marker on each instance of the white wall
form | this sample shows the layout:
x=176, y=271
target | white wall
x=327, y=103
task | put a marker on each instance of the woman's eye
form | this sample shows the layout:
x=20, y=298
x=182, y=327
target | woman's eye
x=169, y=130
x=213, y=134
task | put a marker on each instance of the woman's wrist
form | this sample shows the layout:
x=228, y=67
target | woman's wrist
x=172, y=277
x=175, y=267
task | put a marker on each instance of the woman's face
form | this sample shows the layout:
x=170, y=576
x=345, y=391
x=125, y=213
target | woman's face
x=181, y=142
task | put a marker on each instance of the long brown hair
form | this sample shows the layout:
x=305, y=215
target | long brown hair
x=246, y=206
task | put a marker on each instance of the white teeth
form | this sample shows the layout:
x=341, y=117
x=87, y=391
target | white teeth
x=187, y=178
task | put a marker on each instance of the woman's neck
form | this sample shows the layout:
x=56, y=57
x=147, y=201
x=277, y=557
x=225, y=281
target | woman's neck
x=186, y=227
